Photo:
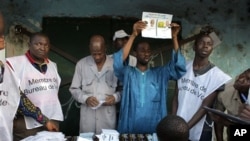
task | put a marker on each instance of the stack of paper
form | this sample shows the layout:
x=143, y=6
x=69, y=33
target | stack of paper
x=152, y=137
x=108, y=135
x=86, y=136
x=46, y=136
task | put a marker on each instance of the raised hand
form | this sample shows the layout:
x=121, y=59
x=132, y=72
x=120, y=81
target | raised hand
x=175, y=29
x=138, y=27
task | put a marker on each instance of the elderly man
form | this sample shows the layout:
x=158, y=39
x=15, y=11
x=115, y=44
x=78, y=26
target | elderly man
x=94, y=86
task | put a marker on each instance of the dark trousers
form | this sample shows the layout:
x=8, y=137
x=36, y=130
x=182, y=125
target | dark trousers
x=206, y=134
x=19, y=129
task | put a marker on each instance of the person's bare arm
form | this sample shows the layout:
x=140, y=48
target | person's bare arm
x=175, y=101
x=218, y=128
x=175, y=31
x=219, y=124
x=27, y=108
x=208, y=101
x=137, y=28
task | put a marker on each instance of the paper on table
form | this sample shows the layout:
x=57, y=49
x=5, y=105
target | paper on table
x=158, y=25
x=82, y=139
x=108, y=135
x=86, y=136
x=110, y=131
x=46, y=136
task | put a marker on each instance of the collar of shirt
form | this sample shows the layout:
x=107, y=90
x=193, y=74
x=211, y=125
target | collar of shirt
x=41, y=67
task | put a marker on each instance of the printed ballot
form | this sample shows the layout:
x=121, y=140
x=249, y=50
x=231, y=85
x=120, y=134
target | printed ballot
x=158, y=25
x=108, y=135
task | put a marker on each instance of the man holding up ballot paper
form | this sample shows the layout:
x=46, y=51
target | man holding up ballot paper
x=158, y=25
x=235, y=100
x=143, y=100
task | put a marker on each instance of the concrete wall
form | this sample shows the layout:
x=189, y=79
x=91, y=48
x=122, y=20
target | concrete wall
x=229, y=17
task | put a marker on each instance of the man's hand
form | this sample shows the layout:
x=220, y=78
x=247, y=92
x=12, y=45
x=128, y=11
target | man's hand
x=244, y=112
x=92, y=101
x=110, y=100
x=138, y=27
x=175, y=29
x=220, y=120
x=52, y=126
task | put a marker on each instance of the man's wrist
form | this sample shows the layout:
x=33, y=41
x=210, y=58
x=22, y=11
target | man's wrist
x=174, y=37
x=133, y=34
x=43, y=119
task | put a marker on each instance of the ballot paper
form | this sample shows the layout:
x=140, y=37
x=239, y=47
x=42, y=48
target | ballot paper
x=46, y=136
x=83, y=139
x=158, y=25
x=108, y=135
x=152, y=137
x=99, y=105
x=86, y=136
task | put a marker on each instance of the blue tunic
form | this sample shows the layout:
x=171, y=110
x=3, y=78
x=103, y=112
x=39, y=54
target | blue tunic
x=143, y=101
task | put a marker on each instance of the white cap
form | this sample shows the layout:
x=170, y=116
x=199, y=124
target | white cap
x=120, y=34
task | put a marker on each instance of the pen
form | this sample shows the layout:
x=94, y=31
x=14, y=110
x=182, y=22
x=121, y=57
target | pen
x=244, y=98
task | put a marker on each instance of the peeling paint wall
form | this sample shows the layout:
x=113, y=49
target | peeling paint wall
x=229, y=17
